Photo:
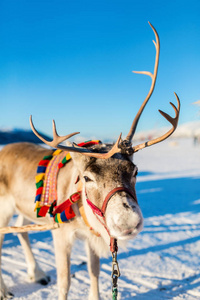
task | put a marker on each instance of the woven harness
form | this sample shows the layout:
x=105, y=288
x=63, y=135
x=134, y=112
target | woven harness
x=46, y=186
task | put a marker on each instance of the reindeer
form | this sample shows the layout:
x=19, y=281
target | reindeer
x=108, y=177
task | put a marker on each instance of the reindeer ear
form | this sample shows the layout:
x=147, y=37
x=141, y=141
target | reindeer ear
x=79, y=160
x=76, y=157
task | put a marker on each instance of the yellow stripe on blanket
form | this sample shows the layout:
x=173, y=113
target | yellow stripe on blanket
x=39, y=177
x=56, y=152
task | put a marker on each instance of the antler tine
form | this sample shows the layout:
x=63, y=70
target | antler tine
x=153, y=78
x=56, y=138
x=173, y=121
x=59, y=139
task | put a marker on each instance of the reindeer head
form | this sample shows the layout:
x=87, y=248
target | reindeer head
x=110, y=196
x=108, y=173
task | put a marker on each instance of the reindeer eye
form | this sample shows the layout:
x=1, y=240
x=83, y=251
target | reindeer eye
x=87, y=179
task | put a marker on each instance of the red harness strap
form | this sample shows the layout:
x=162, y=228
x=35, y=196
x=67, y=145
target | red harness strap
x=95, y=209
x=72, y=199
x=111, y=193
x=64, y=212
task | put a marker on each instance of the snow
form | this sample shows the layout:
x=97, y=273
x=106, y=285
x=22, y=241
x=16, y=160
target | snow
x=188, y=129
x=161, y=263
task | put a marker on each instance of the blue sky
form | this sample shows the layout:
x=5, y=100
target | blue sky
x=72, y=61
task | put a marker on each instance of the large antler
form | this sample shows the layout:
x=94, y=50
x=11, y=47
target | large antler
x=74, y=148
x=153, y=78
x=174, y=121
x=126, y=145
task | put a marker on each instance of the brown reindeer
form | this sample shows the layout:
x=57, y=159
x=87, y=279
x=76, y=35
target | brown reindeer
x=109, y=203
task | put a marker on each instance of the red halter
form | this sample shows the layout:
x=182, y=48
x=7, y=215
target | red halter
x=113, y=241
x=101, y=212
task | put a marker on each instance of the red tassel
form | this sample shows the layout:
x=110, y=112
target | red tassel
x=69, y=213
x=39, y=191
x=43, y=211
x=44, y=162
x=60, y=165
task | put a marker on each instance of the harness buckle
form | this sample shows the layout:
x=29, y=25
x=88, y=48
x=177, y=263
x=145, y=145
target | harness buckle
x=76, y=197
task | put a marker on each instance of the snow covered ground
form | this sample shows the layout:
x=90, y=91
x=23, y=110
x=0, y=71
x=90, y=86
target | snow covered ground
x=163, y=262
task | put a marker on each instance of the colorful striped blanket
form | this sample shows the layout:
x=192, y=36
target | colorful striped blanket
x=46, y=186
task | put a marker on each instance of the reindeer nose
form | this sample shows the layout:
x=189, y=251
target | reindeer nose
x=126, y=205
x=129, y=206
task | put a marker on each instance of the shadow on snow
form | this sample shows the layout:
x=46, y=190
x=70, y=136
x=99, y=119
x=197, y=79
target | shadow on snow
x=168, y=196
x=156, y=198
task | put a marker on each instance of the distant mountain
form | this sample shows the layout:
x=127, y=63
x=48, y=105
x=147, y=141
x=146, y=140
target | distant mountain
x=189, y=129
x=19, y=135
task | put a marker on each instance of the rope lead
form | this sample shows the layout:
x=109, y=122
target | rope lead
x=114, y=293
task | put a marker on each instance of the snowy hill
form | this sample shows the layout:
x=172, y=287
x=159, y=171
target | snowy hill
x=18, y=135
x=189, y=129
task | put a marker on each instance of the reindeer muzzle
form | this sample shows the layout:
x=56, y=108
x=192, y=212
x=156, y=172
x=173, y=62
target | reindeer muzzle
x=101, y=212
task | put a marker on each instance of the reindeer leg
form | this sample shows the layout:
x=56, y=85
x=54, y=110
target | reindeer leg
x=35, y=273
x=4, y=292
x=93, y=269
x=6, y=212
x=62, y=244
